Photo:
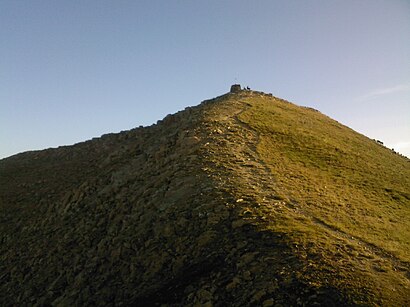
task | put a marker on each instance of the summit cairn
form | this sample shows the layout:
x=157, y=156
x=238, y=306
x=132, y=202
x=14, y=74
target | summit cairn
x=235, y=88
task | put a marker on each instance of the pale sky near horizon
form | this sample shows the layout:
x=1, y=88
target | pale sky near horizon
x=73, y=70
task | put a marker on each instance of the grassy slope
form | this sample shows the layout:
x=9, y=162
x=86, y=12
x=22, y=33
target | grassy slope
x=351, y=196
x=339, y=199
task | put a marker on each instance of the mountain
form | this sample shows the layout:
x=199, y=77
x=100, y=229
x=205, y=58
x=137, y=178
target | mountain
x=243, y=200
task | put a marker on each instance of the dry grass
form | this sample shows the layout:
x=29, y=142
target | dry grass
x=351, y=196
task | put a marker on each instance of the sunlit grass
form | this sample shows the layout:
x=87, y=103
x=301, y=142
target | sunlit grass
x=342, y=177
x=346, y=199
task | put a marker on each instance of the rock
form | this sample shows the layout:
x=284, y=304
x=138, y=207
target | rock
x=204, y=295
x=258, y=295
x=247, y=275
x=235, y=282
x=238, y=223
x=268, y=302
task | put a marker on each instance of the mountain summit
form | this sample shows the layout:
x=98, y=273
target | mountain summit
x=243, y=200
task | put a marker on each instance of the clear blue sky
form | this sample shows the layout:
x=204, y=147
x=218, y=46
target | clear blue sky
x=72, y=70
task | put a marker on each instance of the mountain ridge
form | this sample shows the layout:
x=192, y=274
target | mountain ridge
x=193, y=211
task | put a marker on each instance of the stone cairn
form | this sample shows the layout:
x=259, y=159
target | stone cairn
x=235, y=88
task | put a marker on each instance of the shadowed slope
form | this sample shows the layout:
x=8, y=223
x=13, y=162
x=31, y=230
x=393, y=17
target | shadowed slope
x=243, y=200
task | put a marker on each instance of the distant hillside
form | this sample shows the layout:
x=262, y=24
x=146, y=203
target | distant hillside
x=243, y=200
